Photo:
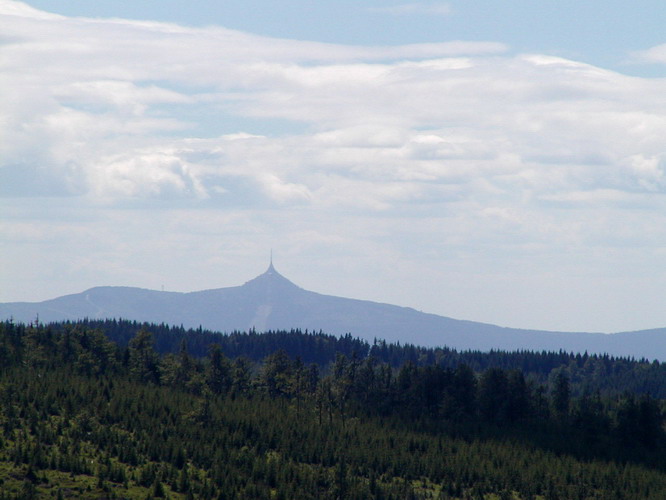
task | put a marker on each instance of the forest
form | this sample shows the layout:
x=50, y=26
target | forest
x=117, y=409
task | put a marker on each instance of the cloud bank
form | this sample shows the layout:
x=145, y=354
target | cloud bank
x=456, y=162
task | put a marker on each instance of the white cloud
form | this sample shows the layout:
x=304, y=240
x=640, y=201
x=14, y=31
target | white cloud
x=282, y=191
x=413, y=152
x=656, y=54
x=146, y=174
x=103, y=99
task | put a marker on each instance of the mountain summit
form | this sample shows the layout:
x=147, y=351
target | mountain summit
x=272, y=302
x=270, y=282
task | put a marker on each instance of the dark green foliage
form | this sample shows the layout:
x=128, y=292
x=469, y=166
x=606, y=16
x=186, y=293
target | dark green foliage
x=142, y=359
x=494, y=396
x=561, y=395
x=219, y=376
x=587, y=374
x=83, y=418
x=310, y=347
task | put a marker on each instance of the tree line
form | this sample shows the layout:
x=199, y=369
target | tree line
x=108, y=419
x=588, y=373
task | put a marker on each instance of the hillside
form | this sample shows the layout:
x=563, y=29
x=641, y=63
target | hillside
x=82, y=417
x=272, y=302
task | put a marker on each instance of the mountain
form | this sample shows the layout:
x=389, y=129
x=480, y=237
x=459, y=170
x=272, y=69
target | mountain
x=272, y=302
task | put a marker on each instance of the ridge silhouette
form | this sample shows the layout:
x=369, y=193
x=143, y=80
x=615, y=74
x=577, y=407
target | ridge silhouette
x=270, y=301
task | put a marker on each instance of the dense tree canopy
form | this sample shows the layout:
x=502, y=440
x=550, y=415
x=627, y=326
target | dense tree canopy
x=82, y=416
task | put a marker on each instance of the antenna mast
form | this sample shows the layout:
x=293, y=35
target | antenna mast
x=270, y=265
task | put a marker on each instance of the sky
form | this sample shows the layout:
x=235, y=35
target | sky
x=501, y=162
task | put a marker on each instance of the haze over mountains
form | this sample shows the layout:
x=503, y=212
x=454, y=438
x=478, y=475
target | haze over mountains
x=272, y=302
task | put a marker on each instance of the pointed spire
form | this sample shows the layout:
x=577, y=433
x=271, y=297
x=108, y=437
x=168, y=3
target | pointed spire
x=271, y=269
x=271, y=277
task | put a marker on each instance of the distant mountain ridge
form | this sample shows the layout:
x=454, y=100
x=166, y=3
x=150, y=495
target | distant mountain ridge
x=272, y=302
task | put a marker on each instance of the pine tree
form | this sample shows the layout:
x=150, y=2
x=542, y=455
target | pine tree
x=561, y=395
x=143, y=360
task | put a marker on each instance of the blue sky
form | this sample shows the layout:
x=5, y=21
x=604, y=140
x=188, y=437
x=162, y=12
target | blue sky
x=603, y=33
x=493, y=161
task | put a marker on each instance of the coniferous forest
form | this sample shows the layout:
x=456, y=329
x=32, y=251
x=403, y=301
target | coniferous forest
x=117, y=409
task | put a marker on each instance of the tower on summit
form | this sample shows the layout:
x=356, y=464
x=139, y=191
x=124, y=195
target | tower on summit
x=271, y=269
